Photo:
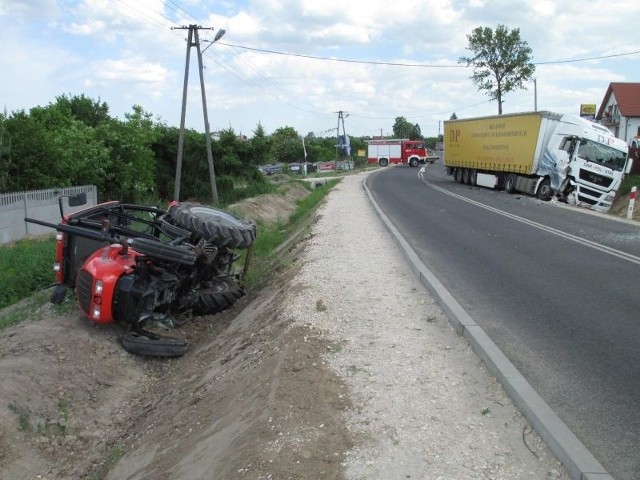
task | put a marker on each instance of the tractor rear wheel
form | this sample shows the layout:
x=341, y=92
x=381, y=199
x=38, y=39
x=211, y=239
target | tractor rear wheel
x=215, y=226
x=219, y=296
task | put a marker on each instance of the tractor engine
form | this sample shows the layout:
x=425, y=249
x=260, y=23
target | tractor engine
x=118, y=284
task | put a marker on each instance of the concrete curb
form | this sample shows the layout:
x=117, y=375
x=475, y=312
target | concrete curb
x=579, y=462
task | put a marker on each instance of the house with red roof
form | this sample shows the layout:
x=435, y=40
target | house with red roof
x=620, y=110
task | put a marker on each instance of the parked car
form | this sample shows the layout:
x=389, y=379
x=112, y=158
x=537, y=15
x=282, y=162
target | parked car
x=270, y=169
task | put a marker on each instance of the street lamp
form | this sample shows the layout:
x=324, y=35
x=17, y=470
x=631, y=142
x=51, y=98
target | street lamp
x=218, y=36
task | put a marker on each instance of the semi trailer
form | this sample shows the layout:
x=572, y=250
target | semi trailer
x=544, y=154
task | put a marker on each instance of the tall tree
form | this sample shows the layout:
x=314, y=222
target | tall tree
x=88, y=111
x=502, y=61
x=402, y=128
x=287, y=145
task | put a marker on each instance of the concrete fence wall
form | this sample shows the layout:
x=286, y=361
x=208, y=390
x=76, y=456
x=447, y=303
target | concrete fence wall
x=40, y=205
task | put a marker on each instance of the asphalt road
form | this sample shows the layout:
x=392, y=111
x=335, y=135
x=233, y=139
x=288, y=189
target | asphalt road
x=555, y=288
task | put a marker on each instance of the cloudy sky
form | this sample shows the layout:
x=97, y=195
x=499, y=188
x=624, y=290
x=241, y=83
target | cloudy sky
x=298, y=62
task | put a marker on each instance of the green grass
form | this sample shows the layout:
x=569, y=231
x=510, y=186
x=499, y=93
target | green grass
x=270, y=239
x=25, y=268
x=628, y=182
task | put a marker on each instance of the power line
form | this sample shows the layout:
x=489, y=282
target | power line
x=419, y=65
x=330, y=59
x=588, y=58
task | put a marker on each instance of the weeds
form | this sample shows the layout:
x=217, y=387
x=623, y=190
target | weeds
x=628, y=182
x=18, y=313
x=23, y=417
x=63, y=413
x=25, y=268
x=353, y=369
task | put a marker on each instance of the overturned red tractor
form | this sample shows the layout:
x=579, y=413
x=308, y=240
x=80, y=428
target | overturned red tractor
x=144, y=266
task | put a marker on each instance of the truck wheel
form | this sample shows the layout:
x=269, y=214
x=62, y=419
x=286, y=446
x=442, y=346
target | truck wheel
x=140, y=344
x=223, y=293
x=413, y=162
x=545, y=192
x=383, y=162
x=510, y=183
x=473, y=177
x=180, y=254
x=215, y=226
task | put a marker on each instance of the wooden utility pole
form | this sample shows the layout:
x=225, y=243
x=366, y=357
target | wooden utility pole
x=194, y=41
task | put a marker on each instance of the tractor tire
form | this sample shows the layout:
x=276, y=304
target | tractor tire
x=180, y=254
x=215, y=226
x=218, y=297
x=140, y=344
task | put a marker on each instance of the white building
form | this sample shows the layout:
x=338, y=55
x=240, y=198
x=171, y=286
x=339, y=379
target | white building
x=620, y=110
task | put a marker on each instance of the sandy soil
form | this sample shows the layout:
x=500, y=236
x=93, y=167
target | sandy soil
x=342, y=368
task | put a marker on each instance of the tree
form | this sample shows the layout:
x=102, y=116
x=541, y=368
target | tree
x=403, y=129
x=286, y=146
x=260, y=146
x=501, y=61
x=88, y=111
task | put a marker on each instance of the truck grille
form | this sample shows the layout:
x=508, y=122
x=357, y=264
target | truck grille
x=84, y=287
x=595, y=178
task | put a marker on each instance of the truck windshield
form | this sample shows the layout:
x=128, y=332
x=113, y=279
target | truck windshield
x=602, y=155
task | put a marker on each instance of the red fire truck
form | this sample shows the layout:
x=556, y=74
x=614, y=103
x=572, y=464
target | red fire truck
x=397, y=150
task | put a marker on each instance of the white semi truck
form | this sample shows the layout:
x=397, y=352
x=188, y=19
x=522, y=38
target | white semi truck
x=538, y=153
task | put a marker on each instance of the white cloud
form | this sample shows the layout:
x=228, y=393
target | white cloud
x=126, y=53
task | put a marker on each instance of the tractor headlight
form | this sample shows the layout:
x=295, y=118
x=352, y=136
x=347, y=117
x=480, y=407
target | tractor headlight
x=56, y=267
x=59, y=236
x=95, y=313
x=99, y=287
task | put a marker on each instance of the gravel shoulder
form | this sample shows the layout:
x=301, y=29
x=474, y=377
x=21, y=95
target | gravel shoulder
x=424, y=406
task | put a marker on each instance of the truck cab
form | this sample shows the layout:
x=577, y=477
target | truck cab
x=597, y=163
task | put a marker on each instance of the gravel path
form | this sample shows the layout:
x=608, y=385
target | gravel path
x=424, y=406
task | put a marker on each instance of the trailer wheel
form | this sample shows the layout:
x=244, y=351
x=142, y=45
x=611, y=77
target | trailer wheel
x=383, y=162
x=220, y=228
x=473, y=177
x=466, y=176
x=545, y=192
x=510, y=183
x=457, y=175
